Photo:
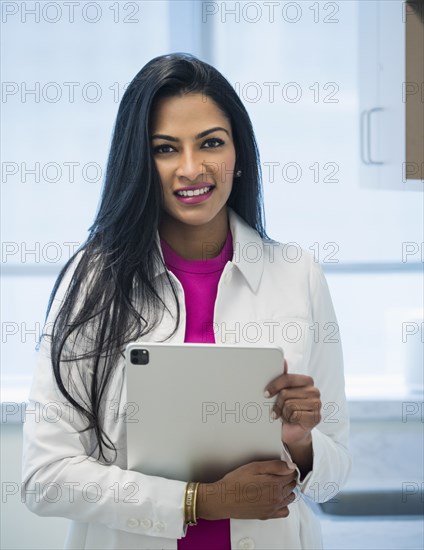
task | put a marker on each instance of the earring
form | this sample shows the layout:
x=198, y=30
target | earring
x=238, y=173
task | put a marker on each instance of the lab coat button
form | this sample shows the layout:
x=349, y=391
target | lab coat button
x=159, y=526
x=133, y=523
x=246, y=544
x=146, y=523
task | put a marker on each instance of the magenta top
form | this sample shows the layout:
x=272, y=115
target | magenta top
x=199, y=279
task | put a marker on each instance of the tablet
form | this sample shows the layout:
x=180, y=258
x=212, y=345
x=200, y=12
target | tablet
x=197, y=411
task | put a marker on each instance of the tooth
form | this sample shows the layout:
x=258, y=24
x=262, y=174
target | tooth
x=195, y=193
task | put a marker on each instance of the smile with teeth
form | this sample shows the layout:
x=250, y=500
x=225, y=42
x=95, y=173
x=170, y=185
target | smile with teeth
x=195, y=193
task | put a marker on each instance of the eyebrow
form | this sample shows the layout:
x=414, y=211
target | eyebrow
x=198, y=136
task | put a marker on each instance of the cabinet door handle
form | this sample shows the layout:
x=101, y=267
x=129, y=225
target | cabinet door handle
x=370, y=112
x=362, y=137
x=365, y=132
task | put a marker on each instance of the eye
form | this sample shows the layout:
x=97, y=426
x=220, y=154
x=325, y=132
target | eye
x=159, y=148
x=217, y=141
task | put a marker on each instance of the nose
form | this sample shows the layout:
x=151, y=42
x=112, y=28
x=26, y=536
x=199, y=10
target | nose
x=190, y=165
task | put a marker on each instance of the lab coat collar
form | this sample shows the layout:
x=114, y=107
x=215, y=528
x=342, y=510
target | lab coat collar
x=248, y=250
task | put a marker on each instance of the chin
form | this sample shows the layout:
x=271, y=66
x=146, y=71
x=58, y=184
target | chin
x=197, y=218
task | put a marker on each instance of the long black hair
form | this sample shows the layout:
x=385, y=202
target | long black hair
x=98, y=316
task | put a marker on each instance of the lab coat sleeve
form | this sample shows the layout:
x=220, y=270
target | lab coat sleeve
x=59, y=478
x=330, y=438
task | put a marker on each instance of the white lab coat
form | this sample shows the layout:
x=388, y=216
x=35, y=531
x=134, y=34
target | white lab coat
x=268, y=293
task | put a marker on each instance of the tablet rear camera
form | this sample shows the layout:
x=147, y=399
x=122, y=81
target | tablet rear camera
x=139, y=356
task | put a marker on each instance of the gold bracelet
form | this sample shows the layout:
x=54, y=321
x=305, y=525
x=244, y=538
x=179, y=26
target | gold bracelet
x=190, y=499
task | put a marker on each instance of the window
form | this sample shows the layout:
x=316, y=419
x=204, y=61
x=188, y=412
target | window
x=58, y=110
x=295, y=67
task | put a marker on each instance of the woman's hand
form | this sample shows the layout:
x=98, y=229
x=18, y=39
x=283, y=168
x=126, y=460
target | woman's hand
x=258, y=490
x=298, y=405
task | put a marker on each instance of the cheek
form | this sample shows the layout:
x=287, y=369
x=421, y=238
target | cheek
x=226, y=167
x=164, y=173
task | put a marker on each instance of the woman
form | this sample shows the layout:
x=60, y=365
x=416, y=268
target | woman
x=178, y=253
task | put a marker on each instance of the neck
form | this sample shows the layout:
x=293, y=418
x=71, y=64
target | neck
x=195, y=242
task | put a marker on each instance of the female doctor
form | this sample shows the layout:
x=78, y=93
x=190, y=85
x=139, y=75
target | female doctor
x=169, y=258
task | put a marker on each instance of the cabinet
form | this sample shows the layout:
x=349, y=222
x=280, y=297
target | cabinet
x=387, y=98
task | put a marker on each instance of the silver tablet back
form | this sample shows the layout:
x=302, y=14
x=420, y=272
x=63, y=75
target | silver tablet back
x=197, y=410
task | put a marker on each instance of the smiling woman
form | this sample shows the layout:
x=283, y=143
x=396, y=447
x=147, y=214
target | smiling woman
x=197, y=170
x=182, y=197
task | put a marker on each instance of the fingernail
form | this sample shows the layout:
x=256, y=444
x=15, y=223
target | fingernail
x=274, y=415
x=267, y=394
x=291, y=465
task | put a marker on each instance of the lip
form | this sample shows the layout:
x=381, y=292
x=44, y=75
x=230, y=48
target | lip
x=194, y=187
x=198, y=198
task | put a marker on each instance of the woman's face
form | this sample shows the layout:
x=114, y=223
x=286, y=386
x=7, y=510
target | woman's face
x=193, y=149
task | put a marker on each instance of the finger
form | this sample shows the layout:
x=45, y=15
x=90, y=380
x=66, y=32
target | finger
x=300, y=396
x=293, y=405
x=277, y=407
x=275, y=467
x=282, y=513
x=289, y=499
x=276, y=488
x=304, y=392
x=286, y=490
x=287, y=381
x=285, y=371
x=307, y=419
